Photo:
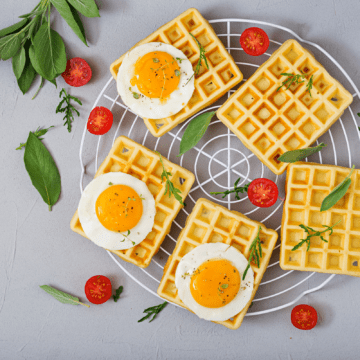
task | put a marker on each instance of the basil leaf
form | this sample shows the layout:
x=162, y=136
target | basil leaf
x=299, y=154
x=86, y=7
x=62, y=296
x=42, y=170
x=50, y=52
x=10, y=44
x=68, y=15
x=36, y=65
x=26, y=78
x=18, y=62
x=195, y=131
x=13, y=28
x=337, y=193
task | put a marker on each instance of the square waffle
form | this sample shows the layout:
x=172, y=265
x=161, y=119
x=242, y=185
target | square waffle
x=134, y=159
x=306, y=186
x=209, y=222
x=271, y=122
x=210, y=84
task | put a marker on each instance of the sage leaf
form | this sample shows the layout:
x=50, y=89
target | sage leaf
x=26, y=78
x=10, y=44
x=62, y=296
x=68, y=15
x=42, y=170
x=18, y=62
x=337, y=193
x=195, y=131
x=36, y=65
x=11, y=29
x=86, y=7
x=50, y=52
x=299, y=154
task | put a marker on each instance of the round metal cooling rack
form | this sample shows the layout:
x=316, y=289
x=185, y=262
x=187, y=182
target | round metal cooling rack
x=220, y=158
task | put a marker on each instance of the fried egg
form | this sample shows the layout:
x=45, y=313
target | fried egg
x=209, y=281
x=116, y=211
x=155, y=80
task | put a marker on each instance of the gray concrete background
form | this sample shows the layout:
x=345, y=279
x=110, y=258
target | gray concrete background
x=37, y=247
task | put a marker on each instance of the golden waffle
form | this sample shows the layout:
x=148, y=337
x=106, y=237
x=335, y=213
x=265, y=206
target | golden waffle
x=134, y=159
x=210, y=84
x=209, y=222
x=306, y=186
x=271, y=122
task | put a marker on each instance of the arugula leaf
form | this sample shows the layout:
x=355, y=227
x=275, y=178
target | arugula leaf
x=12, y=28
x=237, y=190
x=18, y=63
x=86, y=7
x=255, y=253
x=68, y=109
x=195, y=131
x=299, y=154
x=154, y=310
x=117, y=293
x=62, y=296
x=10, y=44
x=42, y=170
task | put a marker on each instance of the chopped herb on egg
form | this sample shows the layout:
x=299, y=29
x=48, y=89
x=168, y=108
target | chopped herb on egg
x=110, y=183
x=177, y=72
x=136, y=95
x=155, y=60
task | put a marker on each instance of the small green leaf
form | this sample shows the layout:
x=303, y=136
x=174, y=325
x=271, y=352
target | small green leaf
x=10, y=44
x=26, y=78
x=86, y=7
x=195, y=131
x=12, y=28
x=299, y=154
x=62, y=296
x=18, y=62
x=177, y=72
x=225, y=286
x=156, y=60
x=118, y=291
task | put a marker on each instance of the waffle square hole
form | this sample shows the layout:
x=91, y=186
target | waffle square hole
x=356, y=202
x=136, y=173
x=216, y=237
x=292, y=54
x=264, y=240
x=248, y=98
x=206, y=214
x=202, y=69
x=187, y=49
x=353, y=263
x=336, y=241
x=167, y=201
x=273, y=158
x=293, y=258
x=209, y=85
x=294, y=142
x=185, y=248
x=317, y=197
x=278, y=68
x=215, y=57
x=293, y=237
x=154, y=187
x=160, y=217
x=263, y=83
x=264, y=113
x=241, y=247
x=316, y=218
x=322, y=177
x=307, y=68
x=157, y=124
x=263, y=143
x=140, y=252
x=204, y=39
x=191, y=21
x=195, y=99
x=248, y=128
x=309, y=129
x=294, y=113
x=245, y=231
x=340, y=177
x=174, y=267
x=279, y=129
x=174, y=34
x=336, y=98
x=125, y=151
x=226, y=74
x=322, y=84
x=114, y=166
x=196, y=233
x=314, y=259
x=343, y=203
x=354, y=243
x=307, y=100
x=225, y=223
x=233, y=114
x=341, y=218
x=296, y=216
x=298, y=196
x=357, y=180
x=170, y=288
x=279, y=98
x=323, y=113
x=355, y=223
x=151, y=237
x=158, y=169
x=334, y=262
x=301, y=176
x=316, y=242
x=142, y=160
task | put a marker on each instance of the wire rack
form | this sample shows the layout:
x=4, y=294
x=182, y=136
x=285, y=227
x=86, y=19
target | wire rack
x=220, y=158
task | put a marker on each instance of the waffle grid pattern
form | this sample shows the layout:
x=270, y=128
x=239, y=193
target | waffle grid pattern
x=210, y=84
x=271, y=122
x=306, y=186
x=134, y=159
x=210, y=222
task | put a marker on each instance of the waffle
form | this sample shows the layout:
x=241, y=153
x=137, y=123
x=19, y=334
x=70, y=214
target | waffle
x=271, y=122
x=306, y=186
x=134, y=159
x=210, y=222
x=210, y=84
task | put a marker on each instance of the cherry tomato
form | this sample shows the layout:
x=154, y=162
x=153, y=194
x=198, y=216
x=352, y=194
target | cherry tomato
x=77, y=72
x=304, y=317
x=98, y=289
x=263, y=192
x=100, y=120
x=254, y=41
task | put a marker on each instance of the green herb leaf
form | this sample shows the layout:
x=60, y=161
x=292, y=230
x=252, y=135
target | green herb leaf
x=12, y=28
x=68, y=15
x=291, y=79
x=42, y=170
x=309, y=85
x=337, y=193
x=18, y=62
x=299, y=154
x=50, y=52
x=225, y=286
x=36, y=65
x=86, y=7
x=237, y=189
x=154, y=310
x=156, y=60
x=26, y=78
x=195, y=131
x=177, y=72
x=117, y=293
x=62, y=296
x=68, y=109
x=202, y=55
x=10, y=44
x=255, y=253
x=39, y=132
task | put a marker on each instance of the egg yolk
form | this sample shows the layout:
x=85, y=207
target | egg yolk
x=215, y=283
x=157, y=75
x=119, y=208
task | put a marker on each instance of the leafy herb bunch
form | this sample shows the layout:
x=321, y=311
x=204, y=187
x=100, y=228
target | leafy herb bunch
x=35, y=48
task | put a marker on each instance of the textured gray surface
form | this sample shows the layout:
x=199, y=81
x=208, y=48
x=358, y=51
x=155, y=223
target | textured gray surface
x=37, y=247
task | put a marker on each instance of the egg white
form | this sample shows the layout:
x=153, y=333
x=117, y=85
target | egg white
x=154, y=108
x=213, y=251
x=93, y=228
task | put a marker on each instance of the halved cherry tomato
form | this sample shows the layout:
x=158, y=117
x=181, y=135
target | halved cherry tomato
x=100, y=120
x=263, y=192
x=304, y=317
x=254, y=41
x=98, y=289
x=77, y=72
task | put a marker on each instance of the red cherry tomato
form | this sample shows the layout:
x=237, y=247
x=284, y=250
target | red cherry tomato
x=254, y=41
x=263, y=192
x=98, y=289
x=100, y=120
x=304, y=317
x=77, y=72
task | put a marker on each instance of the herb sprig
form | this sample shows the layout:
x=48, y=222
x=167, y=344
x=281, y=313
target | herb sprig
x=38, y=133
x=237, y=190
x=62, y=296
x=255, y=252
x=65, y=107
x=311, y=233
x=299, y=154
x=296, y=79
x=154, y=310
x=118, y=291
x=169, y=187
x=309, y=85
